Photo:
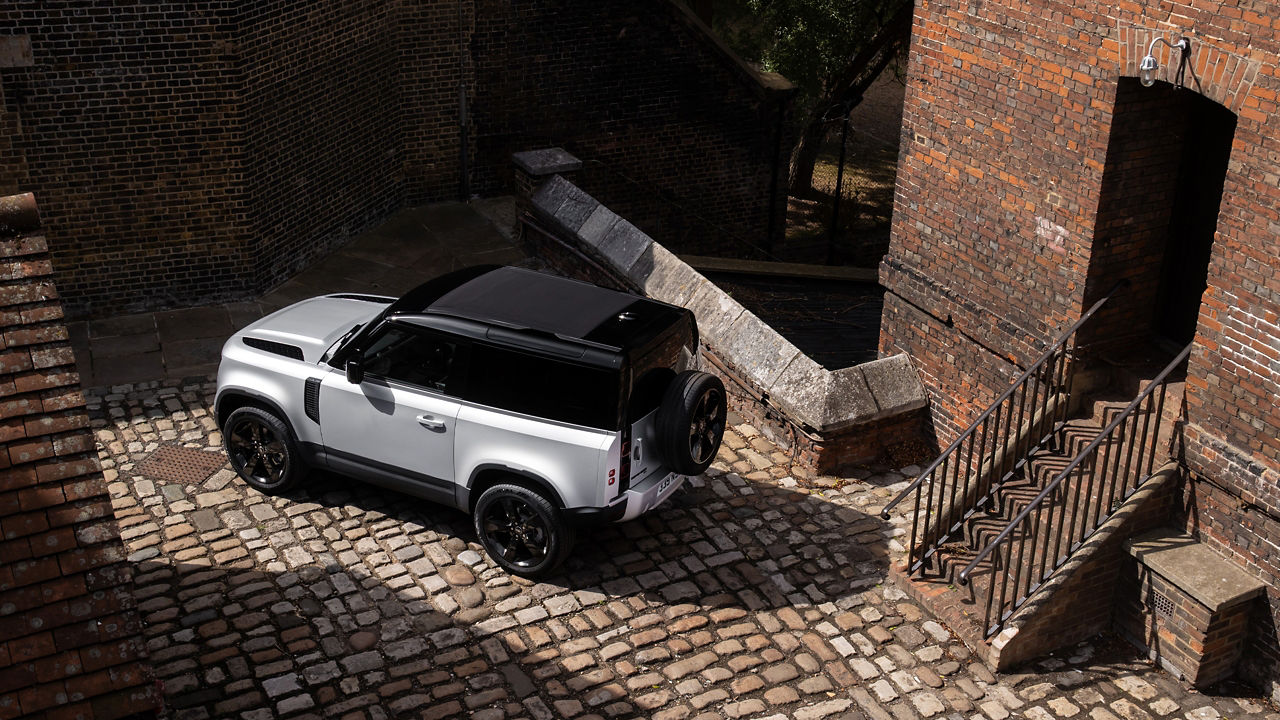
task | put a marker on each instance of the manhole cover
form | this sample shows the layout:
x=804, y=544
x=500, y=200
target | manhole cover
x=181, y=464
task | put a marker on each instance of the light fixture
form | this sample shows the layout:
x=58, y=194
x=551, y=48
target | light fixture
x=1147, y=69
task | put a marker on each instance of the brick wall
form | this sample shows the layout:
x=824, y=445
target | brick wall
x=188, y=153
x=320, y=105
x=130, y=135
x=1004, y=200
x=674, y=133
x=69, y=635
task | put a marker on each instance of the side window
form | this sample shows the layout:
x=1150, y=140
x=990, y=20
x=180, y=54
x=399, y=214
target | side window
x=415, y=357
x=543, y=387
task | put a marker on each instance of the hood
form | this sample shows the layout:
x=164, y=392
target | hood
x=316, y=324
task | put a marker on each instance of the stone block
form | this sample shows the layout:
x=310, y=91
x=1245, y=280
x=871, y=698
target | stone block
x=894, y=385
x=801, y=391
x=548, y=198
x=624, y=244
x=671, y=279
x=758, y=350
x=574, y=211
x=716, y=313
x=849, y=400
x=597, y=226
x=547, y=161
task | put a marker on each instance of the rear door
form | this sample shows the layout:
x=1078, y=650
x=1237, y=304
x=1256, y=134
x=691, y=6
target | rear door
x=397, y=426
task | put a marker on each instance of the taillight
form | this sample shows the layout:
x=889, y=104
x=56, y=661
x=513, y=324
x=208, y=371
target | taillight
x=624, y=462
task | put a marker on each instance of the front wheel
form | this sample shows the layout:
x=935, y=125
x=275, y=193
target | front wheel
x=521, y=530
x=262, y=451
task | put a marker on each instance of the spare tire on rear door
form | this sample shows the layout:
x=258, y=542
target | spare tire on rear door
x=691, y=422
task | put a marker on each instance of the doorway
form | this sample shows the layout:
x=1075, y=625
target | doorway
x=1158, y=211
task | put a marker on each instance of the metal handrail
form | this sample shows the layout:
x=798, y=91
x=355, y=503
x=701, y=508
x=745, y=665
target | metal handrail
x=1160, y=381
x=1062, y=339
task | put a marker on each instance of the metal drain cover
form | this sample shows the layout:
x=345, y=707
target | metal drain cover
x=181, y=464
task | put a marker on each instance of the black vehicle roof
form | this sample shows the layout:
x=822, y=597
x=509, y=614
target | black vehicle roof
x=524, y=300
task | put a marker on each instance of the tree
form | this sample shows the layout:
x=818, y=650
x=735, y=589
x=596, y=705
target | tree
x=832, y=50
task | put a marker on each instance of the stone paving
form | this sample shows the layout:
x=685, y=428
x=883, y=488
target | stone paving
x=756, y=593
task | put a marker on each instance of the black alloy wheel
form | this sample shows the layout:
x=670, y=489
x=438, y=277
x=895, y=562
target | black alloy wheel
x=521, y=530
x=261, y=450
x=691, y=422
x=706, y=427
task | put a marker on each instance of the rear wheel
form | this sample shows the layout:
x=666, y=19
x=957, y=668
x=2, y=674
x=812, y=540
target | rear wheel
x=262, y=451
x=691, y=422
x=521, y=530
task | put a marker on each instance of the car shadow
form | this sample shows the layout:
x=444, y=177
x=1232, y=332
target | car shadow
x=719, y=541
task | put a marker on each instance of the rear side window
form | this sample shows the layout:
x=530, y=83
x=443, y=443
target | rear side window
x=542, y=387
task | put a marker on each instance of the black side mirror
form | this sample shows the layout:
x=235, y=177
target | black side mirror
x=355, y=370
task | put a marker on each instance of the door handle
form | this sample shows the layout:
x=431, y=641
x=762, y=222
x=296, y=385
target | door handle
x=430, y=423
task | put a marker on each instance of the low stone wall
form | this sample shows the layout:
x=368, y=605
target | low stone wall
x=827, y=419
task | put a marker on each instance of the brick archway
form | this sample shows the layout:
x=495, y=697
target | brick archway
x=1221, y=76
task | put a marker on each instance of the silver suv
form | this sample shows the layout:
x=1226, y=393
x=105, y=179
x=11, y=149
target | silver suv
x=533, y=402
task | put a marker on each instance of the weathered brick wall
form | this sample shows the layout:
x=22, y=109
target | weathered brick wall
x=191, y=153
x=321, y=113
x=130, y=134
x=674, y=133
x=435, y=47
x=69, y=635
x=1002, y=201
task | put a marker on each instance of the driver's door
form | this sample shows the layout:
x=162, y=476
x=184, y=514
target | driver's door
x=396, y=427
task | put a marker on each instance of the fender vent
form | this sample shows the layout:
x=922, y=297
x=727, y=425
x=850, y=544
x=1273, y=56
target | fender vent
x=311, y=399
x=271, y=346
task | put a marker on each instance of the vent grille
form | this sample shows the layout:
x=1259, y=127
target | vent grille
x=357, y=296
x=271, y=346
x=311, y=399
x=1162, y=605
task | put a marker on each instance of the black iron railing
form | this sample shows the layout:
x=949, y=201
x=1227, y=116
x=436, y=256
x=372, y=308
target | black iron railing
x=1076, y=502
x=992, y=449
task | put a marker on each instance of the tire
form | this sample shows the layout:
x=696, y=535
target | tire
x=262, y=451
x=521, y=530
x=691, y=422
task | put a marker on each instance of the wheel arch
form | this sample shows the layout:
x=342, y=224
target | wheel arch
x=487, y=475
x=232, y=400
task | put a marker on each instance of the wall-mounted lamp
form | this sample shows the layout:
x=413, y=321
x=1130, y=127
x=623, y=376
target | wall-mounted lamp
x=1147, y=70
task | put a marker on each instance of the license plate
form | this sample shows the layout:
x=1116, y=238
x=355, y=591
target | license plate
x=665, y=483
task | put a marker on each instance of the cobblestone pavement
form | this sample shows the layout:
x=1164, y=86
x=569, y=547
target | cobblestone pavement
x=752, y=594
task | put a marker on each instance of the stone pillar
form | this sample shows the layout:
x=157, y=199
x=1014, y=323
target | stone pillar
x=534, y=167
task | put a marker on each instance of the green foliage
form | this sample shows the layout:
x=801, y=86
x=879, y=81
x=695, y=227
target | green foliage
x=810, y=42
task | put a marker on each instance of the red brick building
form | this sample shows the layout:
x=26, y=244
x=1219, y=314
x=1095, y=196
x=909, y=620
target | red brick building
x=1036, y=171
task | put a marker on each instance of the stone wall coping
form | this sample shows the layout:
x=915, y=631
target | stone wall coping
x=18, y=214
x=1214, y=581
x=824, y=400
x=548, y=161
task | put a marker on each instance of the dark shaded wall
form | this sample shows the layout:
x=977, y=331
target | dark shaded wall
x=129, y=131
x=1004, y=214
x=323, y=152
x=676, y=134
x=202, y=152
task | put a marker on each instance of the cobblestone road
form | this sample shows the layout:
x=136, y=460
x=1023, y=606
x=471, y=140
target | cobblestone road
x=752, y=594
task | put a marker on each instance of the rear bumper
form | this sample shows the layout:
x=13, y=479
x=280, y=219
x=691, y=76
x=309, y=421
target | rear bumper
x=631, y=504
